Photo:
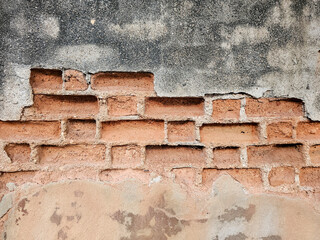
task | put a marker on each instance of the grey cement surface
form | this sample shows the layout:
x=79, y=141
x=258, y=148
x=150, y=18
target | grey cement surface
x=262, y=48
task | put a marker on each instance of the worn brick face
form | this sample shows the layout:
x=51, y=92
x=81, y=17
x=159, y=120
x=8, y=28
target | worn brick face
x=273, y=108
x=133, y=131
x=81, y=130
x=315, y=154
x=223, y=109
x=185, y=176
x=259, y=156
x=75, y=80
x=174, y=107
x=280, y=131
x=181, y=132
x=226, y=157
x=123, y=82
x=19, y=153
x=29, y=131
x=127, y=156
x=71, y=154
x=308, y=130
x=174, y=156
x=45, y=80
x=122, y=106
x=281, y=175
x=310, y=177
x=228, y=134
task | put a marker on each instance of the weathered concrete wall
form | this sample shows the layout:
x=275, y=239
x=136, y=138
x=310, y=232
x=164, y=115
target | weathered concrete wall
x=267, y=47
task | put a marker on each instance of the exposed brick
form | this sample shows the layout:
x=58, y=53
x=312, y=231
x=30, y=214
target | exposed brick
x=181, y=131
x=226, y=109
x=275, y=154
x=122, y=106
x=226, y=157
x=123, y=82
x=18, y=152
x=133, y=131
x=229, y=134
x=81, y=130
x=29, y=131
x=122, y=175
x=250, y=178
x=75, y=80
x=310, y=177
x=281, y=175
x=280, y=131
x=18, y=178
x=308, y=130
x=174, y=156
x=43, y=80
x=126, y=156
x=159, y=107
x=53, y=107
x=315, y=154
x=186, y=176
x=273, y=108
x=71, y=154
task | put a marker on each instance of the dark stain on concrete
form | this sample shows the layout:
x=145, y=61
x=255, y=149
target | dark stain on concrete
x=22, y=205
x=231, y=214
x=56, y=218
x=272, y=237
x=78, y=194
x=239, y=236
x=62, y=235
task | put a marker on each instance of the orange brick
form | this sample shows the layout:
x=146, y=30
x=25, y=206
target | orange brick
x=29, y=131
x=18, y=152
x=159, y=107
x=308, y=130
x=75, y=80
x=53, y=107
x=264, y=107
x=275, y=154
x=186, y=176
x=123, y=82
x=135, y=131
x=174, y=156
x=126, y=156
x=43, y=80
x=250, y=178
x=229, y=134
x=280, y=131
x=315, y=154
x=81, y=130
x=71, y=154
x=121, y=175
x=226, y=157
x=18, y=178
x=226, y=109
x=122, y=106
x=281, y=175
x=310, y=177
x=181, y=132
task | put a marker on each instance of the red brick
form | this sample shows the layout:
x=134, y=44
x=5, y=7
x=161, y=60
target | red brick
x=133, y=131
x=71, y=154
x=275, y=154
x=310, y=177
x=264, y=107
x=281, y=175
x=126, y=156
x=229, y=134
x=174, y=156
x=226, y=157
x=308, y=130
x=280, y=131
x=44, y=80
x=186, y=176
x=53, y=107
x=123, y=82
x=121, y=175
x=315, y=154
x=18, y=152
x=81, y=130
x=29, y=131
x=18, y=178
x=250, y=178
x=160, y=107
x=122, y=106
x=181, y=132
x=75, y=80
x=226, y=109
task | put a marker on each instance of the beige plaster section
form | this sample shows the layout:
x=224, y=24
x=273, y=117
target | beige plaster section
x=132, y=210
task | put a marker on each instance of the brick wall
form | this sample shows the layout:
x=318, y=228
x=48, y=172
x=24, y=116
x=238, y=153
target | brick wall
x=113, y=126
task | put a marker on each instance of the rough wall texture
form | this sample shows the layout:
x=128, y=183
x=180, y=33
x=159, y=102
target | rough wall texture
x=105, y=150
x=263, y=48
